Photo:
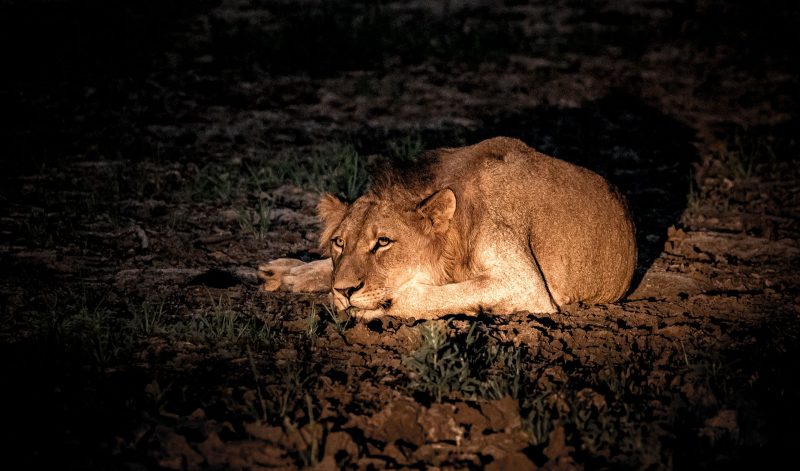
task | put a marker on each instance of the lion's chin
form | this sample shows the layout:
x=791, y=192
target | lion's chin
x=344, y=305
x=367, y=310
x=365, y=313
x=362, y=306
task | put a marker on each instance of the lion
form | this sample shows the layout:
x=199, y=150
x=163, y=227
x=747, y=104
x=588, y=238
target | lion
x=495, y=227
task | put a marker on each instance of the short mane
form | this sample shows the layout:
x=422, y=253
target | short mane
x=406, y=185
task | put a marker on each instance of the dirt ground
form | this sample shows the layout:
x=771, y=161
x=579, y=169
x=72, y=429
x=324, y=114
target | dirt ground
x=154, y=153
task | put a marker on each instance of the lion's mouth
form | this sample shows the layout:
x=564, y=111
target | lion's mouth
x=370, y=301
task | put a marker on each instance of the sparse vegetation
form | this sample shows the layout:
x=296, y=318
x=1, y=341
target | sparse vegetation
x=599, y=419
x=256, y=221
x=338, y=169
x=148, y=317
x=77, y=325
x=219, y=322
x=98, y=332
x=596, y=408
x=335, y=167
x=472, y=364
x=313, y=325
x=340, y=322
x=748, y=155
x=695, y=196
x=264, y=337
x=215, y=182
x=406, y=149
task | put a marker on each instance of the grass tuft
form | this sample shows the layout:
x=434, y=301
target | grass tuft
x=148, y=318
x=256, y=221
x=215, y=183
x=470, y=364
x=747, y=155
x=335, y=168
x=406, y=149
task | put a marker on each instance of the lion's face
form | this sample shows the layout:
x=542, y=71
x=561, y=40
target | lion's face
x=377, y=246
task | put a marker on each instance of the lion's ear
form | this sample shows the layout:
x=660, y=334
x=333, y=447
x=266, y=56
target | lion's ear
x=331, y=211
x=438, y=209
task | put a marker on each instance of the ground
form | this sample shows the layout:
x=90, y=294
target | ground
x=154, y=153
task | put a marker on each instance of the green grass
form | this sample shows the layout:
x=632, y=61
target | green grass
x=226, y=326
x=313, y=324
x=148, y=318
x=219, y=321
x=405, y=149
x=285, y=169
x=35, y=227
x=99, y=335
x=215, y=183
x=603, y=411
x=695, y=196
x=748, y=155
x=281, y=389
x=256, y=222
x=75, y=325
x=220, y=324
x=263, y=337
x=336, y=168
x=473, y=365
x=340, y=323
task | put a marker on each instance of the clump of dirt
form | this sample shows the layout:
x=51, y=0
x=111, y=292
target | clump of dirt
x=146, y=175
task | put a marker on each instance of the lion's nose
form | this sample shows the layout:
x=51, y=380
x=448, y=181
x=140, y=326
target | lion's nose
x=348, y=291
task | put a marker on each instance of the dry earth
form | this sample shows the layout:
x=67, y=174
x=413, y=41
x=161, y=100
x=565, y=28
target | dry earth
x=153, y=153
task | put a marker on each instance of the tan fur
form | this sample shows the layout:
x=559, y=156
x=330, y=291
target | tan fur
x=495, y=227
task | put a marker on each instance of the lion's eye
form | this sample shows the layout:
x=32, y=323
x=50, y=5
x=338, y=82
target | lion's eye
x=338, y=242
x=382, y=242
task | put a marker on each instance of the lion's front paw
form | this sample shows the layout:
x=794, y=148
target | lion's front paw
x=273, y=273
x=408, y=301
x=288, y=274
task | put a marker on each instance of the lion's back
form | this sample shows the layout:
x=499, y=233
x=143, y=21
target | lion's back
x=575, y=223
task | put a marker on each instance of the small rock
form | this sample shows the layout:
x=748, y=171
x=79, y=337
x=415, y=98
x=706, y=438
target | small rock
x=214, y=450
x=721, y=425
x=340, y=441
x=229, y=215
x=557, y=444
x=512, y=462
x=398, y=421
x=502, y=414
x=174, y=450
x=439, y=424
x=468, y=415
x=264, y=432
x=328, y=463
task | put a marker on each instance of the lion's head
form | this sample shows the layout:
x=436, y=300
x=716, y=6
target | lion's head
x=380, y=242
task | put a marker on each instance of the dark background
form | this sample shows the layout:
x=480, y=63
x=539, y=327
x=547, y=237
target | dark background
x=141, y=141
